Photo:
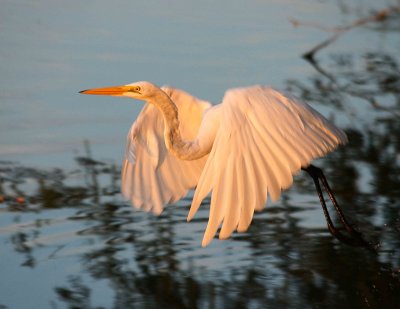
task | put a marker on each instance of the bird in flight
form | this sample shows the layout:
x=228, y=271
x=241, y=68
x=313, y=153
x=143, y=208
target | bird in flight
x=242, y=151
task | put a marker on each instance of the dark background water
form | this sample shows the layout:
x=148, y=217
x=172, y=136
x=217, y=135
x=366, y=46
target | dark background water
x=67, y=237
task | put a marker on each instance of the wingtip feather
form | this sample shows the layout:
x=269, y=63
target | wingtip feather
x=206, y=240
x=193, y=209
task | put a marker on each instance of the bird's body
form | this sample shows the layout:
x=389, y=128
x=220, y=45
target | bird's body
x=242, y=150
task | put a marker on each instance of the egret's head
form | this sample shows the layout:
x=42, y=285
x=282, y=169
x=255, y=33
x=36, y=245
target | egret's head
x=138, y=90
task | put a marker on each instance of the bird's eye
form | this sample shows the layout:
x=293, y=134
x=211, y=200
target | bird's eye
x=135, y=89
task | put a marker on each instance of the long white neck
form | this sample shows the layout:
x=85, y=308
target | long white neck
x=185, y=150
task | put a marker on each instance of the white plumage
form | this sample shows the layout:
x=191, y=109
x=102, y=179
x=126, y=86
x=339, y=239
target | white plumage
x=242, y=150
x=151, y=176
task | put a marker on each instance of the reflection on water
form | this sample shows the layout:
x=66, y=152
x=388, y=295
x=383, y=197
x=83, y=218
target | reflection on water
x=131, y=258
x=69, y=240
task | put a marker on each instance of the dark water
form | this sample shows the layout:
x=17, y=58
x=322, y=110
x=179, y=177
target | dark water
x=68, y=240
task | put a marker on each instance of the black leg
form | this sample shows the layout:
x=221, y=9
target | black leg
x=355, y=238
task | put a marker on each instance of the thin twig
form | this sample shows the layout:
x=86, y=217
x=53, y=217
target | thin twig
x=379, y=16
x=310, y=54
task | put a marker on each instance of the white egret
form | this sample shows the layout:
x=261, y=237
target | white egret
x=242, y=150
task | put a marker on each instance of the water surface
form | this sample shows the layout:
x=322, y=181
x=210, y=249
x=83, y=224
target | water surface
x=73, y=242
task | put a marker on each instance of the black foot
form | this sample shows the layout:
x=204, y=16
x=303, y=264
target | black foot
x=354, y=238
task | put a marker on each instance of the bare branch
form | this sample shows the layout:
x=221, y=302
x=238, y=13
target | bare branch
x=378, y=16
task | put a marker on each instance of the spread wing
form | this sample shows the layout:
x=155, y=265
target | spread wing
x=263, y=139
x=151, y=176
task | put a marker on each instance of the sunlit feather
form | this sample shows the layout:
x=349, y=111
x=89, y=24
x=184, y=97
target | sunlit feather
x=241, y=151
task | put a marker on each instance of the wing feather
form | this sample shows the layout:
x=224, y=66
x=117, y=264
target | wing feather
x=231, y=220
x=247, y=205
x=264, y=138
x=151, y=176
x=206, y=181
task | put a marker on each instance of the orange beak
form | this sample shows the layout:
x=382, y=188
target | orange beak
x=114, y=90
